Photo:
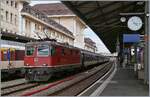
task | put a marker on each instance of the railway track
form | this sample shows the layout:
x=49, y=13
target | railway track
x=77, y=88
x=12, y=83
x=69, y=86
x=72, y=86
x=98, y=86
x=16, y=88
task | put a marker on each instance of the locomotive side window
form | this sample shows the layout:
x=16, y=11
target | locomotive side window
x=53, y=50
x=29, y=50
x=43, y=50
x=77, y=52
x=63, y=51
x=71, y=52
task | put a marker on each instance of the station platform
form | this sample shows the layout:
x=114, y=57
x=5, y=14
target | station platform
x=124, y=83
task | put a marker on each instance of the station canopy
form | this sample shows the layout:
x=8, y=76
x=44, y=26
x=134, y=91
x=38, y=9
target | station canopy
x=103, y=17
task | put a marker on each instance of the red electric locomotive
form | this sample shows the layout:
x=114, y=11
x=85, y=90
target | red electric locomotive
x=42, y=59
x=45, y=58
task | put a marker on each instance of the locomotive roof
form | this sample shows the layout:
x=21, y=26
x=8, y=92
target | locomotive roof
x=51, y=42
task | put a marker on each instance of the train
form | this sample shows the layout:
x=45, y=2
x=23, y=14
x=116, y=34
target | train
x=14, y=65
x=43, y=59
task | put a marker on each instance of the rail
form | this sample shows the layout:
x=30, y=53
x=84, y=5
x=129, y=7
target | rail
x=61, y=86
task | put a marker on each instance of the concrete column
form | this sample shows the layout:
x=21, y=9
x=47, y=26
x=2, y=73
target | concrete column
x=147, y=43
x=130, y=56
x=148, y=40
x=136, y=55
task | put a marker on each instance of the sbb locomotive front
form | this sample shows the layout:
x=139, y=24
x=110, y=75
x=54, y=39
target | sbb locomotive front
x=45, y=58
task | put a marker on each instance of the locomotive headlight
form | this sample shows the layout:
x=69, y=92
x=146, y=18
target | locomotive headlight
x=27, y=64
x=30, y=72
x=44, y=64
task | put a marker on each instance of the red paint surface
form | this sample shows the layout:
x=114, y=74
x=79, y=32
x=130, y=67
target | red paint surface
x=55, y=60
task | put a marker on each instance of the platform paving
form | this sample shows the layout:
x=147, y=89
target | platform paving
x=124, y=83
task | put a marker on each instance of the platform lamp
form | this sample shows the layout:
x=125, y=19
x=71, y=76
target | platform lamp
x=123, y=19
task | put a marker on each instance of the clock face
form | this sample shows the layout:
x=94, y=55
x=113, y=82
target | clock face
x=134, y=23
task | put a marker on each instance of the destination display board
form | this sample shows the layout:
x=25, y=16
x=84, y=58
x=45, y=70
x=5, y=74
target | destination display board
x=131, y=38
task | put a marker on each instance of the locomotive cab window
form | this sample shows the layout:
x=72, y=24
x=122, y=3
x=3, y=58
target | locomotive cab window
x=29, y=50
x=43, y=50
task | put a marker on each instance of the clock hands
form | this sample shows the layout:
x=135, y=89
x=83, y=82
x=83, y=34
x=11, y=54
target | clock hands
x=134, y=23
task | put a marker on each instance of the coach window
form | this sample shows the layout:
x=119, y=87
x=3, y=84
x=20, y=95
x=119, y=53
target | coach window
x=29, y=50
x=43, y=50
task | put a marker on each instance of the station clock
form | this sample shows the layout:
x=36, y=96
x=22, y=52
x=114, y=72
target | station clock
x=135, y=23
